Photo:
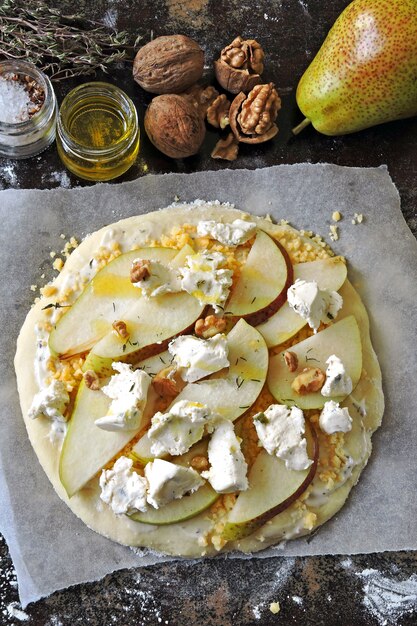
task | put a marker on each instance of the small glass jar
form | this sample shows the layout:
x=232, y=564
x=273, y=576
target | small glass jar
x=20, y=140
x=97, y=131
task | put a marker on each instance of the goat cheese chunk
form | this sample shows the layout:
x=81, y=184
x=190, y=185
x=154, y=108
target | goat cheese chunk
x=159, y=280
x=123, y=489
x=128, y=390
x=196, y=358
x=50, y=402
x=233, y=234
x=228, y=467
x=281, y=432
x=338, y=383
x=335, y=419
x=167, y=482
x=313, y=304
x=202, y=279
x=177, y=430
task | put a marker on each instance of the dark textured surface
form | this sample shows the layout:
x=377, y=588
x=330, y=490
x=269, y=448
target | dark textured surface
x=332, y=590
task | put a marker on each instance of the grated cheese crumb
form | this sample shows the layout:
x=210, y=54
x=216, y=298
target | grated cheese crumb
x=58, y=264
x=337, y=216
x=274, y=607
x=62, y=236
x=52, y=254
x=33, y=287
x=334, y=235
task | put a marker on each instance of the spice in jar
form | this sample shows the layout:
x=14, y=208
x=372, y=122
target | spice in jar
x=27, y=110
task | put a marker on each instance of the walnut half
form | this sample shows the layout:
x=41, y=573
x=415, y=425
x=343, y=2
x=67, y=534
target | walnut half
x=165, y=384
x=310, y=380
x=291, y=360
x=240, y=65
x=218, y=112
x=91, y=380
x=209, y=326
x=252, y=117
x=121, y=329
x=140, y=270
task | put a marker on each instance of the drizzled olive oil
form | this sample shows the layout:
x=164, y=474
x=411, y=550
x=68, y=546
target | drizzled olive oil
x=98, y=134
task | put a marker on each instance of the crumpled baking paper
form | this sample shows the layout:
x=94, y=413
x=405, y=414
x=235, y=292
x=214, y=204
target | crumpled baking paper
x=50, y=547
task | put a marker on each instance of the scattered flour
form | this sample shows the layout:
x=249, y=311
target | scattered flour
x=110, y=18
x=54, y=621
x=271, y=589
x=8, y=174
x=304, y=6
x=60, y=177
x=298, y=600
x=388, y=599
x=14, y=611
x=272, y=18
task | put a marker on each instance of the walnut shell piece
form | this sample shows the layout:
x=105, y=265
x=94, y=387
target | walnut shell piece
x=240, y=65
x=168, y=64
x=218, y=112
x=226, y=149
x=175, y=126
x=201, y=97
x=252, y=117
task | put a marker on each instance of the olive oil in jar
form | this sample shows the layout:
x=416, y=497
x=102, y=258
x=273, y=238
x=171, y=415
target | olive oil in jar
x=97, y=132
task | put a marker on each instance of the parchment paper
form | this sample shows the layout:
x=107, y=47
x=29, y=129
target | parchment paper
x=50, y=547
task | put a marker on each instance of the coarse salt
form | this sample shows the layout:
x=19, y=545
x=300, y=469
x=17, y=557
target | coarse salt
x=15, y=103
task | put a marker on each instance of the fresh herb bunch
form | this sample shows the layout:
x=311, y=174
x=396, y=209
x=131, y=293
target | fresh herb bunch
x=63, y=46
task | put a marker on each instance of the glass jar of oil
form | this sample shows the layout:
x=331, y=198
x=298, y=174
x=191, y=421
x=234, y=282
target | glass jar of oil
x=97, y=131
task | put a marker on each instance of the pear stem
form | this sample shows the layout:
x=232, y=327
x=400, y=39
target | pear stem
x=297, y=129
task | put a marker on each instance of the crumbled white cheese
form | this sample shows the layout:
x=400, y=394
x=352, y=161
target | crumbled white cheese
x=196, y=358
x=177, y=430
x=335, y=419
x=338, y=383
x=50, y=402
x=313, y=304
x=43, y=354
x=232, y=234
x=281, y=432
x=57, y=433
x=161, y=279
x=167, y=482
x=202, y=279
x=228, y=467
x=122, y=488
x=128, y=389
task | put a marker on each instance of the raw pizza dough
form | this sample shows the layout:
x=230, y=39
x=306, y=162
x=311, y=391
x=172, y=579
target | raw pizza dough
x=185, y=538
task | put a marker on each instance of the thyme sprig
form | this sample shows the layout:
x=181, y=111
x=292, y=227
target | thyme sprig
x=63, y=46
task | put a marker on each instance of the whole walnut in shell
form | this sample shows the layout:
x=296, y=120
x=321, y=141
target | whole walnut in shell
x=175, y=126
x=168, y=64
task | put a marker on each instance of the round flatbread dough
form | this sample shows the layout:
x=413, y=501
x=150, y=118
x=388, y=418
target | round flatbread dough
x=199, y=535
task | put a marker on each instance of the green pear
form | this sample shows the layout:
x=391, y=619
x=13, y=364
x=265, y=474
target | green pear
x=365, y=73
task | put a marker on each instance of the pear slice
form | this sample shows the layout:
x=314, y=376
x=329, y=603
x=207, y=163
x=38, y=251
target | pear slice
x=261, y=288
x=105, y=299
x=87, y=448
x=151, y=324
x=272, y=489
x=342, y=339
x=186, y=507
x=285, y=323
x=236, y=390
x=179, y=510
